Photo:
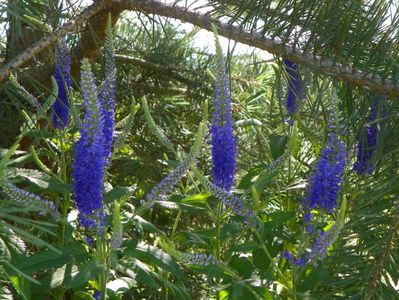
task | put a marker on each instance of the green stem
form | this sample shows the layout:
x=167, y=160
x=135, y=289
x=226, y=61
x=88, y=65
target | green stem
x=103, y=259
x=65, y=203
x=269, y=256
x=175, y=224
x=218, y=244
x=174, y=228
x=294, y=279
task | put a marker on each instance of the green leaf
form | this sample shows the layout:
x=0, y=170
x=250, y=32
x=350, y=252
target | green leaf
x=277, y=145
x=120, y=284
x=118, y=193
x=230, y=229
x=194, y=238
x=60, y=277
x=247, y=246
x=177, y=290
x=153, y=255
x=243, y=266
x=39, y=134
x=260, y=259
x=279, y=218
x=144, y=274
x=80, y=295
x=313, y=278
x=4, y=251
x=50, y=259
x=32, y=238
x=22, y=285
x=87, y=272
x=248, y=179
x=57, y=186
x=5, y=293
x=42, y=180
x=7, y=153
x=63, y=275
x=34, y=176
x=147, y=226
x=263, y=179
x=197, y=198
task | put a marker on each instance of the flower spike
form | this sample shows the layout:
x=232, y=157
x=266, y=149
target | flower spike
x=89, y=160
x=108, y=92
x=294, y=88
x=223, y=139
x=62, y=75
x=325, y=184
x=367, y=143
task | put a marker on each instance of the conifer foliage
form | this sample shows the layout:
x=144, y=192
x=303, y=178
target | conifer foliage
x=117, y=183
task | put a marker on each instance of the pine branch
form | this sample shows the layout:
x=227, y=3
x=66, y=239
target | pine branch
x=164, y=91
x=169, y=72
x=382, y=257
x=173, y=73
x=92, y=37
x=317, y=63
x=50, y=39
x=343, y=72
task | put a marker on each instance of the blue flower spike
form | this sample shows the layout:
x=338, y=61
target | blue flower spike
x=62, y=75
x=223, y=139
x=89, y=159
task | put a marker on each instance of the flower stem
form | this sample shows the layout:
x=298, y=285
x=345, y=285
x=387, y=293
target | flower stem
x=103, y=259
x=65, y=203
x=217, y=234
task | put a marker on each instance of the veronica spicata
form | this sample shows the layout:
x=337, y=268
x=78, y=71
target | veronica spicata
x=367, y=143
x=89, y=155
x=223, y=139
x=325, y=184
x=108, y=92
x=294, y=87
x=167, y=184
x=62, y=75
x=28, y=199
x=319, y=248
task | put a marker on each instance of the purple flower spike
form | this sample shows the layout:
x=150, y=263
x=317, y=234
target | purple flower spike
x=108, y=92
x=168, y=183
x=319, y=249
x=367, y=143
x=294, y=88
x=299, y=262
x=325, y=184
x=231, y=201
x=197, y=259
x=323, y=242
x=223, y=139
x=89, y=160
x=28, y=199
x=62, y=75
x=97, y=295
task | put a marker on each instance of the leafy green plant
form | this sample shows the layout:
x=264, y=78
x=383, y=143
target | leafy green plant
x=287, y=188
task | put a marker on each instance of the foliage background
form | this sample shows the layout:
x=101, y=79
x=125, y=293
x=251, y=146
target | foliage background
x=157, y=60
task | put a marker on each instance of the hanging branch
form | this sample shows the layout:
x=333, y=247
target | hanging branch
x=91, y=39
x=327, y=66
x=50, y=39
